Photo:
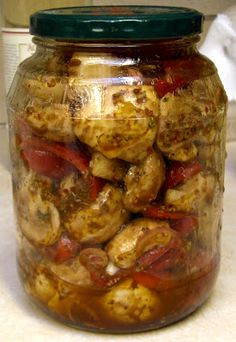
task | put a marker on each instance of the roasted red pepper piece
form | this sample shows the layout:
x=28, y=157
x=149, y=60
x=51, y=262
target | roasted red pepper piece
x=46, y=163
x=178, y=73
x=156, y=211
x=185, y=226
x=100, y=278
x=151, y=256
x=161, y=281
x=172, y=258
x=178, y=172
x=65, y=152
x=56, y=154
x=163, y=256
x=76, y=158
x=64, y=249
x=95, y=185
x=146, y=279
x=104, y=280
x=163, y=87
x=187, y=69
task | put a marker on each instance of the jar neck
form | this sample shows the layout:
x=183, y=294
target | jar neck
x=155, y=48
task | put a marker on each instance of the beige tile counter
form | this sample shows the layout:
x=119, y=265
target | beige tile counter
x=21, y=322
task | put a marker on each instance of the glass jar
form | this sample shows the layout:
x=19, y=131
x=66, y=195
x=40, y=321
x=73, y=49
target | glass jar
x=117, y=136
x=16, y=39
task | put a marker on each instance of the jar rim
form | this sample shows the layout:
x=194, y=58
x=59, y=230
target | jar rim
x=116, y=22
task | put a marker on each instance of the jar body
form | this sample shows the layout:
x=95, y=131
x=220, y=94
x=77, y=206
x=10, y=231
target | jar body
x=118, y=161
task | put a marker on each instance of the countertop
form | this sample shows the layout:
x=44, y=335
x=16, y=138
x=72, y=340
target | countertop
x=20, y=321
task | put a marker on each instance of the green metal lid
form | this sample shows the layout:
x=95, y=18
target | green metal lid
x=116, y=22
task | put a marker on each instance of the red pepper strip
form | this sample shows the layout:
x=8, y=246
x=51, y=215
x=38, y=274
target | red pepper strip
x=75, y=157
x=113, y=279
x=104, y=280
x=95, y=185
x=185, y=226
x=161, y=281
x=46, y=163
x=78, y=159
x=178, y=74
x=163, y=253
x=180, y=172
x=151, y=256
x=64, y=249
x=172, y=258
x=99, y=278
x=188, y=69
x=160, y=212
x=146, y=279
x=162, y=87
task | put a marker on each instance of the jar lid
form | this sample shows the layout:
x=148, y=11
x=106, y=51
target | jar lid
x=116, y=22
